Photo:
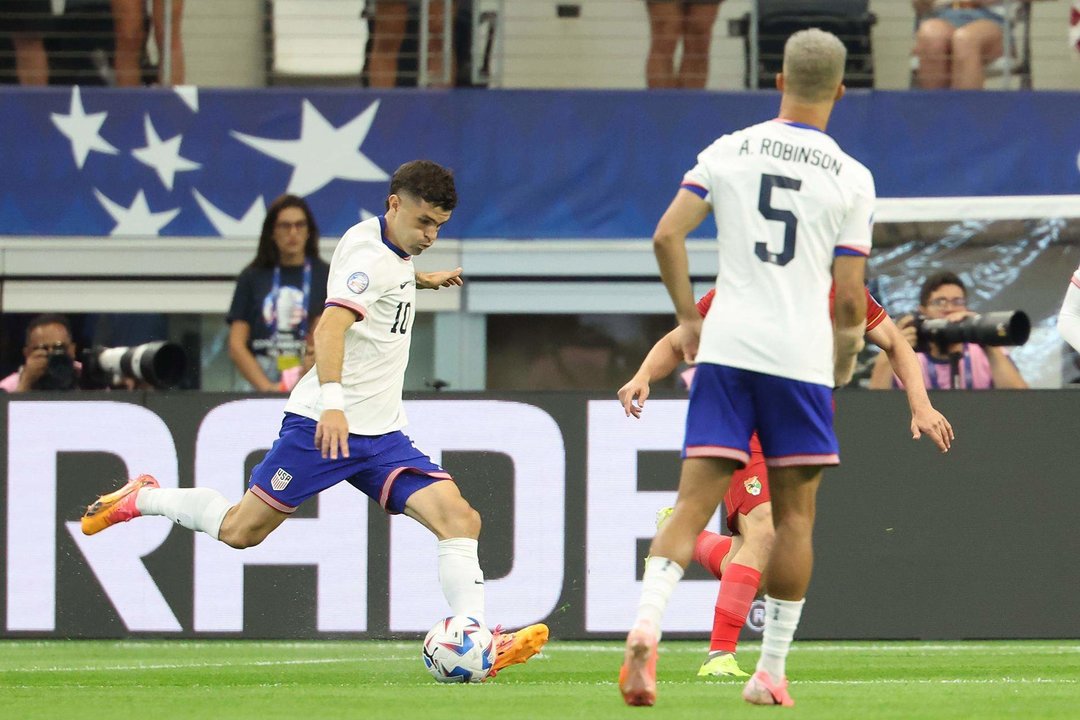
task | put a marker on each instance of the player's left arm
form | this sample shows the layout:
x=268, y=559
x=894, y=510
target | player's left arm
x=439, y=279
x=849, y=315
x=685, y=213
x=849, y=277
x=924, y=418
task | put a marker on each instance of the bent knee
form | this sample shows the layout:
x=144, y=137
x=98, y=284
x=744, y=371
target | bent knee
x=241, y=537
x=461, y=520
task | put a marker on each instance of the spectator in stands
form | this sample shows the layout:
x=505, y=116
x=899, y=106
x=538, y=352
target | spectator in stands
x=954, y=41
x=389, y=22
x=670, y=21
x=981, y=367
x=27, y=22
x=49, y=355
x=278, y=298
x=130, y=27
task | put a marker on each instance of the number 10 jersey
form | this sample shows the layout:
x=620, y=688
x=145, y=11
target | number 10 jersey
x=376, y=280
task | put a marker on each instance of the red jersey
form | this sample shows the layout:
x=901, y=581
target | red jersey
x=874, y=312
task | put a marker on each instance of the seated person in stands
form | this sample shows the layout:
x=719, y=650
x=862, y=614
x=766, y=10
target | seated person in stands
x=955, y=40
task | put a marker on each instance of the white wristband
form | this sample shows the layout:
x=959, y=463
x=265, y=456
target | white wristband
x=332, y=396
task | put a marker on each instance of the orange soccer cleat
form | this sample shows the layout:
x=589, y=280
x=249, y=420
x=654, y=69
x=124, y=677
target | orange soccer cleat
x=761, y=690
x=517, y=647
x=116, y=507
x=637, y=676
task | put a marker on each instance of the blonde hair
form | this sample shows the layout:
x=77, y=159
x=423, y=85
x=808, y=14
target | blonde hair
x=813, y=65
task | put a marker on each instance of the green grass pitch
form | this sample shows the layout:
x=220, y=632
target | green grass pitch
x=169, y=679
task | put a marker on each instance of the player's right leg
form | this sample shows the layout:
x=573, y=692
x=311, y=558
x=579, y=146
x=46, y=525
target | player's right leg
x=249, y=523
x=200, y=509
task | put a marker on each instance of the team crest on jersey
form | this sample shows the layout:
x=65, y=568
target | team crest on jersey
x=358, y=282
x=752, y=485
x=280, y=480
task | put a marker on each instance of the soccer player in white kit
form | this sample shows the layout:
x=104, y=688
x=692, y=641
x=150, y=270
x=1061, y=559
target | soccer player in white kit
x=1069, y=317
x=344, y=418
x=793, y=214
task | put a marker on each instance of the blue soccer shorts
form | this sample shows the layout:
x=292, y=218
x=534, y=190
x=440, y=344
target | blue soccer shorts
x=793, y=419
x=387, y=468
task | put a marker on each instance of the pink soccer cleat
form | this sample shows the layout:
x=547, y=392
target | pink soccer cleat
x=761, y=690
x=116, y=507
x=637, y=676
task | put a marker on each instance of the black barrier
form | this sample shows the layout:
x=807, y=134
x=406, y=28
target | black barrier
x=979, y=543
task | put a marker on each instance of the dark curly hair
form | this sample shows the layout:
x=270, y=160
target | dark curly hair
x=426, y=180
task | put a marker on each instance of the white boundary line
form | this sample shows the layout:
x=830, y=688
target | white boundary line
x=701, y=682
x=853, y=646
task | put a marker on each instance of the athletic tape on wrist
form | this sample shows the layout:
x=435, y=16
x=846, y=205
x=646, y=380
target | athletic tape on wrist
x=332, y=396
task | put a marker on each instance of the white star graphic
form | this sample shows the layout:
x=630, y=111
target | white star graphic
x=82, y=130
x=137, y=219
x=163, y=157
x=322, y=152
x=249, y=226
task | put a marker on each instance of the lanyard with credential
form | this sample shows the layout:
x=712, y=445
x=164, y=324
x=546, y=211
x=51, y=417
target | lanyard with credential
x=272, y=324
x=969, y=381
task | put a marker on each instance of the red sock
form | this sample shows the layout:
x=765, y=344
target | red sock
x=737, y=591
x=710, y=550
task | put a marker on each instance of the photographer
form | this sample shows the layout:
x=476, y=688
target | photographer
x=978, y=366
x=49, y=357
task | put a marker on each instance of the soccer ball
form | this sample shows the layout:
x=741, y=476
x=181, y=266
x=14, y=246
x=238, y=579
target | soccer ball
x=459, y=650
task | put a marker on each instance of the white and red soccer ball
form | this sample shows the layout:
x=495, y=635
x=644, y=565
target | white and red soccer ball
x=459, y=650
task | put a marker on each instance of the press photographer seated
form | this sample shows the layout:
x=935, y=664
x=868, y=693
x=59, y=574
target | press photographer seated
x=956, y=365
x=49, y=357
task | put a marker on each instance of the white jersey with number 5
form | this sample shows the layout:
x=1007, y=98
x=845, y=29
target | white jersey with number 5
x=376, y=280
x=787, y=200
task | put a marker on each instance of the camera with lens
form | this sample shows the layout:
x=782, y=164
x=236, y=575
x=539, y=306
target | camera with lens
x=159, y=364
x=59, y=370
x=993, y=328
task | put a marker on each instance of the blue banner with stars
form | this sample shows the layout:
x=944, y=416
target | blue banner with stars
x=529, y=164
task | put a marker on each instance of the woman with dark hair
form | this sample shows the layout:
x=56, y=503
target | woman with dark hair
x=278, y=298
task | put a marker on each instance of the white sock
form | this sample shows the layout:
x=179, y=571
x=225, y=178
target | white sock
x=781, y=619
x=199, y=509
x=661, y=576
x=461, y=578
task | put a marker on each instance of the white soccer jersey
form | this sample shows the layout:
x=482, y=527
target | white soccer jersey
x=787, y=200
x=1069, y=317
x=376, y=280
